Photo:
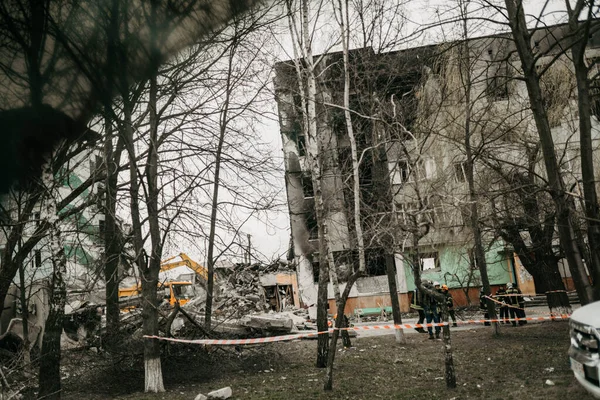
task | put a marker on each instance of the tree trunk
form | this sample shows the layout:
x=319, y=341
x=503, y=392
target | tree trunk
x=322, y=304
x=152, y=364
x=391, y=276
x=540, y=262
x=306, y=72
x=49, y=375
x=581, y=33
x=149, y=274
x=9, y=265
x=345, y=35
x=333, y=277
x=24, y=317
x=548, y=280
x=339, y=323
x=153, y=371
x=469, y=172
x=516, y=16
x=111, y=246
x=112, y=159
x=450, y=374
x=223, y=126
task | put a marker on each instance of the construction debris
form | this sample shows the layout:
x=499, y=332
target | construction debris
x=240, y=293
x=223, y=393
x=249, y=300
x=269, y=322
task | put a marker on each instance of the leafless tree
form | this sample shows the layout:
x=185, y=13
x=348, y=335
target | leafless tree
x=564, y=208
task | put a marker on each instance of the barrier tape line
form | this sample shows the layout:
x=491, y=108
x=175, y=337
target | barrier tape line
x=502, y=304
x=229, y=342
x=534, y=294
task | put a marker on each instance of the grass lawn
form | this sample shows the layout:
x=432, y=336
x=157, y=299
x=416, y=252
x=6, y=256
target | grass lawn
x=514, y=366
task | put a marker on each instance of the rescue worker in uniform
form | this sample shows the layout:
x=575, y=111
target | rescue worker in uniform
x=432, y=312
x=483, y=307
x=517, y=303
x=449, y=304
x=500, y=295
x=417, y=304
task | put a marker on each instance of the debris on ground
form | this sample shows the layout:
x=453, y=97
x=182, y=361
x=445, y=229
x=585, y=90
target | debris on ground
x=223, y=393
x=269, y=323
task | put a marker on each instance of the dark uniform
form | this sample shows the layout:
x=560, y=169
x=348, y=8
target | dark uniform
x=517, y=302
x=449, y=304
x=483, y=307
x=500, y=295
x=417, y=304
x=432, y=313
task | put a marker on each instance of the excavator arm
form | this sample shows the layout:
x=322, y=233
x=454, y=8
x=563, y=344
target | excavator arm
x=185, y=261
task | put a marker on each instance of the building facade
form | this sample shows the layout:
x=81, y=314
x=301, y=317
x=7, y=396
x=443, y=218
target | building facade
x=82, y=238
x=411, y=111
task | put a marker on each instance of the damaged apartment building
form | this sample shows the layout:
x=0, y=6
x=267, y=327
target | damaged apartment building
x=81, y=223
x=409, y=118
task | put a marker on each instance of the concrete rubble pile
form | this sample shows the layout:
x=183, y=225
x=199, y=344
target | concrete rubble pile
x=241, y=308
x=240, y=293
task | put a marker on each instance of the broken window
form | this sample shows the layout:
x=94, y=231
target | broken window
x=459, y=172
x=401, y=172
x=375, y=262
x=312, y=225
x=315, y=266
x=406, y=211
x=38, y=259
x=301, y=144
x=307, y=186
x=429, y=261
x=497, y=80
x=425, y=169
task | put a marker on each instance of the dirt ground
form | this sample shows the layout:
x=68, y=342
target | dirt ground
x=514, y=366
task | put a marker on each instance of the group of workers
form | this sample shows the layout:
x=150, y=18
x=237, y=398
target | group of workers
x=430, y=303
x=511, y=301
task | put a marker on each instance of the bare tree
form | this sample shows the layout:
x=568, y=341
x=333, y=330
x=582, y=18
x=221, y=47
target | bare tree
x=580, y=36
x=564, y=210
x=342, y=15
x=306, y=69
x=243, y=69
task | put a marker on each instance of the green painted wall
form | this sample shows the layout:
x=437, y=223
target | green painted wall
x=454, y=260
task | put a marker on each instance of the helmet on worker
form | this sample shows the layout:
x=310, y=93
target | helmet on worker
x=445, y=287
x=436, y=284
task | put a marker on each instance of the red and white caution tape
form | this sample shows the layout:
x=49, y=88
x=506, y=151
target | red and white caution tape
x=533, y=294
x=502, y=304
x=228, y=342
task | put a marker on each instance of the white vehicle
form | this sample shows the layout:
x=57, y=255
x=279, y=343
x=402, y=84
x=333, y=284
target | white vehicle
x=585, y=347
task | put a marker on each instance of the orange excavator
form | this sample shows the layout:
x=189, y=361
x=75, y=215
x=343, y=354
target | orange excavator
x=175, y=291
x=185, y=261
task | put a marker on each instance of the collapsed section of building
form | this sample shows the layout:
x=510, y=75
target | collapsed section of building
x=408, y=116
